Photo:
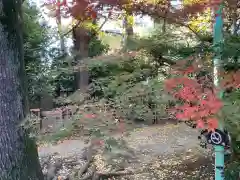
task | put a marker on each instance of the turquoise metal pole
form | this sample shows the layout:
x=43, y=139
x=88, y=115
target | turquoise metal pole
x=218, y=42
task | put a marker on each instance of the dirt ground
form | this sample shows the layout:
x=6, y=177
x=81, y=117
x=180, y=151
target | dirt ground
x=169, y=151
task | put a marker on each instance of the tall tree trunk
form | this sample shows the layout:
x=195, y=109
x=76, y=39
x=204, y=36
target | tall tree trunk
x=128, y=27
x=165, y=17
x=81, y=40
x=164, y=24
x=18, y=153
x=62, y=41
x=59, y=23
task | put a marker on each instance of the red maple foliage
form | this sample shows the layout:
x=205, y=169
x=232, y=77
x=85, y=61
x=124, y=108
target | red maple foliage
x=84, y=8
x=197, y=103
x=198, y=98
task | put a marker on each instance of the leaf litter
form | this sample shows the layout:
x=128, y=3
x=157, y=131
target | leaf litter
x=169, y=151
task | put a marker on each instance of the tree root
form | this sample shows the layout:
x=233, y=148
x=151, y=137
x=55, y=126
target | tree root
x=90, y=174
x=84, y=168
x=114, y=174
x=89, y=171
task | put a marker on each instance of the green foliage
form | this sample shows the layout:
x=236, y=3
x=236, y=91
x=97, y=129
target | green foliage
x=144, y=101
x=114, y=41
x=135, y=85
x=63, y=75
x=97, y=47
x=231, y=49
x=232, y=170
x=58, y=135
x=231, y=112
x=112, y=78
x=132, y=85
x=35, y=38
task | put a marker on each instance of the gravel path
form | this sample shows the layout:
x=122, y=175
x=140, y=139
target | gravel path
x=167, y=139
x=157, y=140
x=67, y=148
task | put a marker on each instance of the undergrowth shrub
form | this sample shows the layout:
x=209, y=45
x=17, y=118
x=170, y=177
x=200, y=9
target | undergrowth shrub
x=133, y=85
x=231, y=114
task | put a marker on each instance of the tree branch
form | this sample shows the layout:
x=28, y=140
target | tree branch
x=69, y=31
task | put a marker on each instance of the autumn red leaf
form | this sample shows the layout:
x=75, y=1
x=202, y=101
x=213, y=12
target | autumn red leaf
x=187, y=93
x=189, y=70
x=98, y=142
x=78, y=10
x=198, y=103
x=90, y=116
x=121, y=126
x=212, y=124
x=200, y=124
x=63, y=3
x=93, y=15
x=181, y=116
x=203, y=113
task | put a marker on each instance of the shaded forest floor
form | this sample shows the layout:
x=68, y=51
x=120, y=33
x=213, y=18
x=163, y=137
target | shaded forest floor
x=169, y=151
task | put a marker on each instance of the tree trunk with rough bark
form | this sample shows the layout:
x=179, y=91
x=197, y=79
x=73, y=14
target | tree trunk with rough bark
x=18, y=153
x=81, y=40
x=128, y=27
x=59, y=24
